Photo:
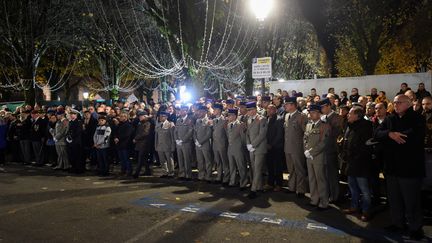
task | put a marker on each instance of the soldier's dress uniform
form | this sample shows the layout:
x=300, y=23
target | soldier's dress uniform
x=202, y=138
x=294, y=127
x=335, y=122
x=315, y=141
x=256, y=138
x=220, y=147
x=165, y=145
x=183, y=134
x=236, y=133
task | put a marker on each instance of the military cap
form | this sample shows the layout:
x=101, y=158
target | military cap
x=251, y=105
x=229, y=102
x=233, y=111
x=218, y=106
x=314, y=108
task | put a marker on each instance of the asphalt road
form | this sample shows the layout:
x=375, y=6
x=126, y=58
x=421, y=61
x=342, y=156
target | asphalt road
x=40, y=205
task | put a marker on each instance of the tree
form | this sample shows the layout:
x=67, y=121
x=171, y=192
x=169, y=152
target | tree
x=369, y=26
x=28, y=29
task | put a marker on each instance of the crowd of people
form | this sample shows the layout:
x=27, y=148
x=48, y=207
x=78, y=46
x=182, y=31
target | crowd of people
x=247, y=142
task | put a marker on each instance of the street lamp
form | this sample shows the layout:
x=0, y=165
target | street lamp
x=85, y=96
x=261, y=9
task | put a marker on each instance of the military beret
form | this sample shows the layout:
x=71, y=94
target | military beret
x=240, y=97
x=164, y=113
x=242, y=103
x=100, y=117
x=266, y=98
x=51, y=112
x=229, y=102
x=102, y=113
x=325, y=102
x=314, y=108
x=233, y=111
x=251, y=105
x=290, y=100
x=218, y=106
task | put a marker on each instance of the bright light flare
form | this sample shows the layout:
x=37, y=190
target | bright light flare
x=184, y=95
x=261, y=8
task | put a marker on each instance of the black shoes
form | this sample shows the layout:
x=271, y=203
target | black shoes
x=252, y=195
x=416, y=234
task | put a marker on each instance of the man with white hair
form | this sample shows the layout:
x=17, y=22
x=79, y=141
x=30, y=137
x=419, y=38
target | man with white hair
x=402, y=134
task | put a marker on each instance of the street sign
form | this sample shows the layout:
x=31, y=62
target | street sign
x=261, y=67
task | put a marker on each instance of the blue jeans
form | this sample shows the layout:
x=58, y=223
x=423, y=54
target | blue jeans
x=103, y=163
x=359, y=186
x=126, y=165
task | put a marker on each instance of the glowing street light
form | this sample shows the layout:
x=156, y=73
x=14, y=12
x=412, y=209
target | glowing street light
x=261, y=8
x=85, y=95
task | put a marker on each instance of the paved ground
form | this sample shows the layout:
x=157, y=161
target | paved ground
x=40, y=205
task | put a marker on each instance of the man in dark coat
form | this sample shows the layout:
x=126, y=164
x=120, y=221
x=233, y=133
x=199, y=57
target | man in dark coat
x=74, y=143
x=275, y=146
x=359, y=161
x=144, y=145
x=402, y=134
x=122, y=139
x=23, y=131
x=37, y=135
x=89, y=128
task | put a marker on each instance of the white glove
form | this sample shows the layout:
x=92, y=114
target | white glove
x=179, y=142
x=249, y=147
x=308, y=154
x=197, y=143
x=252, y=150
x=55, y=140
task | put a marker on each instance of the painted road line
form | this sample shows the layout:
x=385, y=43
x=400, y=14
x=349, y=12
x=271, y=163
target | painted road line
x=229, y=215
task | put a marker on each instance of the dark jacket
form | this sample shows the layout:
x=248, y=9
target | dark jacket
x=144, y=135
x=403, y=160
x=23, y=129
x=89, y=129
x=38, y=128
x=124, y=133
x=357, y=154
x=275, y=133
x=75, y=131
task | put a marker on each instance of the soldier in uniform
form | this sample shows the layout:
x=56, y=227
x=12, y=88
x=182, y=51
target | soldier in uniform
x=236, y=133
x=74, y=142
x=165, y=144
x=256, y=143
x=59, y=134
x=202, y=137
x=183, y=135
x=335, y=122
x=294, y=127
x=220, y=145
x=315, y=141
